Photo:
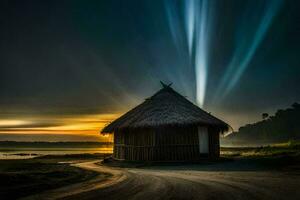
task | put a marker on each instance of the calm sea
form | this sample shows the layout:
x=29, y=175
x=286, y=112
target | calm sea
x=25, y=153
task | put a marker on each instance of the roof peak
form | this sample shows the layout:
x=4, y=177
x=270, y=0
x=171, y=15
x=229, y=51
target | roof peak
x=165, y=85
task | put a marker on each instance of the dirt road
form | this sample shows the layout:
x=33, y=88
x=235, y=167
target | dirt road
x=192, y=182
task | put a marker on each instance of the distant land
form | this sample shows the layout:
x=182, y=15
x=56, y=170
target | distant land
x=281, y=127
x=10, y=144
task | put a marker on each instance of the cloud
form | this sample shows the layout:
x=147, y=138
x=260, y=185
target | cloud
x=66, y=124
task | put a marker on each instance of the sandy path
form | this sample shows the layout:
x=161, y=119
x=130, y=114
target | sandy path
x=181, y=182
x=194, y=183
x=96, y=183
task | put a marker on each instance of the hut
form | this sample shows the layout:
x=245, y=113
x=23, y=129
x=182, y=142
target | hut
x=166, y=127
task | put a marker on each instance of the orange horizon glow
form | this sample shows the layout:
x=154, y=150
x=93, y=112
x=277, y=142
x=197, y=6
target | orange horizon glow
x=66, y=125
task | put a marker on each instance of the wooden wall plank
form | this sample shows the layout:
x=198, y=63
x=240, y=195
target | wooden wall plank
x=163, y=144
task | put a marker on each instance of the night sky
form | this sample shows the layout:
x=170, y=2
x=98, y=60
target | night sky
x=69, y=67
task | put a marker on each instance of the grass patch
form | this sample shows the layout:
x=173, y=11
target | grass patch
x=280, y=149
x=20, y=178
x=276, y=156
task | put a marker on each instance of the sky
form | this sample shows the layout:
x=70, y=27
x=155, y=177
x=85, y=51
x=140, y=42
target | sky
x=67, y=68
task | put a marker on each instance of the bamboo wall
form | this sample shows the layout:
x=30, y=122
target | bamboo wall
x=163, y=144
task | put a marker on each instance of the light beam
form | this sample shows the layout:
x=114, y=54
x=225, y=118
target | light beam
x=245, y=51
x=200, y=53
x=197, y=28
x=197, y=16
x=190, y=22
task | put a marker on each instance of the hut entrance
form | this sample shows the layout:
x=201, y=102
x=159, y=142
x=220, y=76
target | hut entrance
x=203, y=140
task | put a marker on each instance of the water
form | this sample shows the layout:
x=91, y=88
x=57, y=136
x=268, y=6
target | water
x=25, y=153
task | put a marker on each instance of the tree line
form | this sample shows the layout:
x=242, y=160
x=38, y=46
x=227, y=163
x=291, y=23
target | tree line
x=283, y=126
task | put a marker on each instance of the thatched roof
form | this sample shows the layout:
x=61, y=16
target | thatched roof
x=164, y=108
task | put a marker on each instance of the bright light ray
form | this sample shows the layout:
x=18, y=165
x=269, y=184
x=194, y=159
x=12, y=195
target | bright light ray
x=190, y=22
x=196, y=25
x=200, y=53
x=244, y=53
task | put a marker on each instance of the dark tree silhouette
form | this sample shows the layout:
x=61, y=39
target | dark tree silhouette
x=265, y=116
x=283, y=126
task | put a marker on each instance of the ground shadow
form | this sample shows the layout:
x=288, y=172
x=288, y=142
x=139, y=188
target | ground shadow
x=222, y=164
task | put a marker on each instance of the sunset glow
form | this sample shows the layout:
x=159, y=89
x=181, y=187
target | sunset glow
x=9, y=122
x=83, y=125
